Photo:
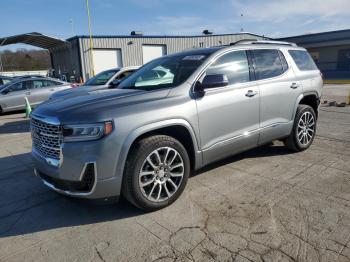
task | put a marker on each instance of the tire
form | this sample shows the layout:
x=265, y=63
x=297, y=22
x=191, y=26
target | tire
x=302, y=135
x=146, y=181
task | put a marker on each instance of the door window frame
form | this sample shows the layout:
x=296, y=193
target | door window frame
x=228, y=87
x=23, y=90
x=253, y=66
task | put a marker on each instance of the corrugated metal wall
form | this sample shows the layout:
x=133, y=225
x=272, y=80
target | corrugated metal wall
x=66, y=60
x=131, y=47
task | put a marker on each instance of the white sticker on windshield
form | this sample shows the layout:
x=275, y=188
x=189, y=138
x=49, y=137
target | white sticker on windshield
x=193, y=57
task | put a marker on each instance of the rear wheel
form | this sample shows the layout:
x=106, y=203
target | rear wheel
x=156, y=172
x=304, y=129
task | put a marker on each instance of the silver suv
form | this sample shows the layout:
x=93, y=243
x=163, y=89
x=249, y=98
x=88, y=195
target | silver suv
x=174, y=115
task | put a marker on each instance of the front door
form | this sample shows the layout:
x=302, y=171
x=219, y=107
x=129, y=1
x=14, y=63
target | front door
x=229, y=116
x=12, y=98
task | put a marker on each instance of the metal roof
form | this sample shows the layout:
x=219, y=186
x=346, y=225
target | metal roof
x=34, y=39
x=162, y=36
x=331, y=37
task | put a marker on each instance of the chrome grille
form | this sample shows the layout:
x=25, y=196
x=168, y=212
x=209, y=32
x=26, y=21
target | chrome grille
x=46, y=138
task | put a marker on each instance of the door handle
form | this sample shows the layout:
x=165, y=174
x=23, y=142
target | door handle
x=294, y=85
x=52, y=89
x=251, y=93
x=27, y=93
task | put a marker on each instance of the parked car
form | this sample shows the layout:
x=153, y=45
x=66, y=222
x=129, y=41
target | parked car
x=144, y=138
x=36, y=89
x=5, y=79
x=106, y=79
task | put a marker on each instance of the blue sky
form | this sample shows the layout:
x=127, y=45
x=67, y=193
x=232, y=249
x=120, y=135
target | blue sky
x=274, y=18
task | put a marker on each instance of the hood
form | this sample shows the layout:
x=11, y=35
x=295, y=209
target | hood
x=97, y=105
x=80, y=90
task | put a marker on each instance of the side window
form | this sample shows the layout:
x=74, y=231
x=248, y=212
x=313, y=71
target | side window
x=55, y=83
x=234, y=65
x=267, y=63
x=38, y=84
x=20, y=86
x=16, y=87
x=284, y=61
x=124, y=74
x=303, y=60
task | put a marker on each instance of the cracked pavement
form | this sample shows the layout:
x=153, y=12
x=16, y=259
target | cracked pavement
x=266, y=204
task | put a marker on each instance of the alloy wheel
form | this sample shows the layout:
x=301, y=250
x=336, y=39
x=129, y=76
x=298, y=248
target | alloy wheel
x=306, y=128
x=161, y=174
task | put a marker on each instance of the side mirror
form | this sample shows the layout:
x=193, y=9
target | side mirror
x=114, y=83
x=212, y=81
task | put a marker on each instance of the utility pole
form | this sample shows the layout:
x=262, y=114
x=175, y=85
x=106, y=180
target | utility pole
x=1, y=68
x=71, y=22
x=92, y=71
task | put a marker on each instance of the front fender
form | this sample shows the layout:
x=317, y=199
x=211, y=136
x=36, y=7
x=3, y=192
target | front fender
x=151, y=127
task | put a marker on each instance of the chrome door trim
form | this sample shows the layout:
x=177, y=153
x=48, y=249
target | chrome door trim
x=245, y=134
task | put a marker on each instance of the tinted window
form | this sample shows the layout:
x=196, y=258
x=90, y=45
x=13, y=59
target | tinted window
x=20, y=86
x=234, y=65
x=101, y=78
x=38, y=84
x=303, y=60
x=284, y=61
x=267, y=63
x=55, y=83
x=6, y=81
x=163, y=72
x=124, y=74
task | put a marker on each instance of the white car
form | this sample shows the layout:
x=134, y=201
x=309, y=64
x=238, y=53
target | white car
x=104, y=80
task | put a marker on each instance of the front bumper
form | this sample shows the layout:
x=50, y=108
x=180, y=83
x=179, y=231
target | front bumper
x=101, y=189
x=86, y=171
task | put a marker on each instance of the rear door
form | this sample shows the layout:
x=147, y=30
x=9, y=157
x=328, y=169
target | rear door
x=279, y=91
x=306, y=71
x=40, y=91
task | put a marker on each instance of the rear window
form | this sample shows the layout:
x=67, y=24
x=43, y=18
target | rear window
x=303, y=60
x=269, y=63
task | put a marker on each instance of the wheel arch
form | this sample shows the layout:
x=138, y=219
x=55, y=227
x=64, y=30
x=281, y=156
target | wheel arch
x=180, y=129
x=308, y=98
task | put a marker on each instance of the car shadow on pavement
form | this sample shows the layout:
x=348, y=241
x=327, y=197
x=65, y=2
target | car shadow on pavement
x=263, y=151
x=21, y=126
x=27, y=206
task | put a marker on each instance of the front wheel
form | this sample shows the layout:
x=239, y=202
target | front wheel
x=156, y=172
x=304, y=129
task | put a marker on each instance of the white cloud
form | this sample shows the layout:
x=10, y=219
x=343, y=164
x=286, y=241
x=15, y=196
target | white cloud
x=275, y=9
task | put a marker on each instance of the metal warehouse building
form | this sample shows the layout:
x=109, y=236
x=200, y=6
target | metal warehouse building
x=330, y=50
x=108, y=52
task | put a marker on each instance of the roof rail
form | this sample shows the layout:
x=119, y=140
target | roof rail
x=261, y=42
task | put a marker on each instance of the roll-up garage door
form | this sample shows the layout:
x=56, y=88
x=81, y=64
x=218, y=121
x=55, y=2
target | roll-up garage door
x=150, y=52
x=106, y=59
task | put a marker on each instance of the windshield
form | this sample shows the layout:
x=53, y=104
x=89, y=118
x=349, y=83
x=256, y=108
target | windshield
x=101, y=78
x=164, y=72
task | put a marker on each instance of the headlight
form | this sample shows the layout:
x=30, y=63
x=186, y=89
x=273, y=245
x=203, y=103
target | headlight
x=86, y=132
